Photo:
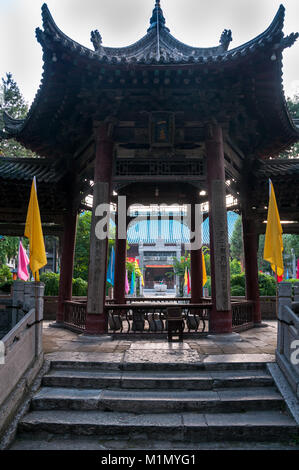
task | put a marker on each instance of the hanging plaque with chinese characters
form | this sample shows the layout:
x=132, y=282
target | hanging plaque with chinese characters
x=161, y=129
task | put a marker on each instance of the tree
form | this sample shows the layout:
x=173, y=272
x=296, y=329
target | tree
x=82, y=246
x=12, y=101
x=179, y=268
x=81, y=261
x=9, y=247
x=293, y=106
x=236, y=244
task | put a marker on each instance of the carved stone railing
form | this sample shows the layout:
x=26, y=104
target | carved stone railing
x=242, y=315
x=287, y=352
x=21, y=351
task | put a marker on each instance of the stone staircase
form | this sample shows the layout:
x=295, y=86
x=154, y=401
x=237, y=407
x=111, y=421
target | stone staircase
x=85, y=405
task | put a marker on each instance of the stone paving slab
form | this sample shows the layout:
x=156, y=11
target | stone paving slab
x=79, y=359
x=155, y=345
x=241, y=358
x=136, y=356
x=257, y=341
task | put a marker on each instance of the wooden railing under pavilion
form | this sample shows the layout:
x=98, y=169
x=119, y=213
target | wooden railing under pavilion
x=148, y=316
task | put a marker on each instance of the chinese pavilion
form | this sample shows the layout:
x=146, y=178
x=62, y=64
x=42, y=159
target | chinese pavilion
x=157, y=121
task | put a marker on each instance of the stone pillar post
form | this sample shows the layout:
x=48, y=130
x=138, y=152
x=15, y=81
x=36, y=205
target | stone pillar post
x=67, y=262
x=120, y=265
x=33, y=293
x=250, y=239
x=221, y=317
x=96, y=321
x=196, y=262
x=284, y=299
x=17, y=300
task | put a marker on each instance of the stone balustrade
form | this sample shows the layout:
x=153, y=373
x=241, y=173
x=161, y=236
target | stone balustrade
x=287, y=352
x=21, y=354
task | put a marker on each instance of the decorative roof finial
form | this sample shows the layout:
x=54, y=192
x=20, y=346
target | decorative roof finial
x=96, y=39
x=157, y=18
x=226, y=38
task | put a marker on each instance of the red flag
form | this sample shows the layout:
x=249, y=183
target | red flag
x=189, y=283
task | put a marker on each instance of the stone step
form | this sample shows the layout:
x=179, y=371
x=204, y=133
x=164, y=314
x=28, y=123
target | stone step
x=187, y=380
x=157, y=401
x=189, y=427
x=209, y=364
x=70, y=442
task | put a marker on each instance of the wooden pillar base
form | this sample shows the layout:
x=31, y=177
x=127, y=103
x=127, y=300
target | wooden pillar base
x=96, y=324
x=220, y=322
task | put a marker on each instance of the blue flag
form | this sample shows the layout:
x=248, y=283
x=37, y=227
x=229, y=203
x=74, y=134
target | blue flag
x=132, y=287
x=110, y=271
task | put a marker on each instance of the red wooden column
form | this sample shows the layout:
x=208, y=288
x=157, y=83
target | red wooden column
x=120, y=265
x=96, y=321
x=221, y=316
x=196, y=262
x=67, y=262
x=251, y=270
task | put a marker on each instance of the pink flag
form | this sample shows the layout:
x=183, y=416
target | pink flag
x=23, y=262
x=297, y=274
x=127, y=286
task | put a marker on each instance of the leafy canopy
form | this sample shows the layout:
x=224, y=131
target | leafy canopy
x=13, y=103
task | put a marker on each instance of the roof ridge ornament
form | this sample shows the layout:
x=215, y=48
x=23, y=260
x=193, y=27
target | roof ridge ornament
x=96, y=40
x=226, y=38
x=157, y=20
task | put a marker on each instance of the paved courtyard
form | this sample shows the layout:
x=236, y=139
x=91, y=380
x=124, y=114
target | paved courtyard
x=257, y=341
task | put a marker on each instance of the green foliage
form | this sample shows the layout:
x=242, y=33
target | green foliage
x=82, y=246
x=51, y=281
x=267, y=284
x=206, y=254
x=79, y=287
x=263, y=265
x=291, y=242
x=238, y=280
x=14, y=104
x=179, y=268
x=5, y=274
x=236, y=244
x=237, y=291
x=208, y=285
x=293, y=106
x=9, y=247
x=235, y=267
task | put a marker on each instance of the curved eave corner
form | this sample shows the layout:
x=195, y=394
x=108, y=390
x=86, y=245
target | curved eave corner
x=12, y=127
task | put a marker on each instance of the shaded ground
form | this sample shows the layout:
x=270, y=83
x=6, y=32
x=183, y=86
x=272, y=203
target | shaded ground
x=254, y=341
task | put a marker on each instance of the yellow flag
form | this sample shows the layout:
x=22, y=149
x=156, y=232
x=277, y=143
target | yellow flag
x=33, y=231
x=273, y=240
x=204, y=271
x=137, y=269
x=186, y=278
